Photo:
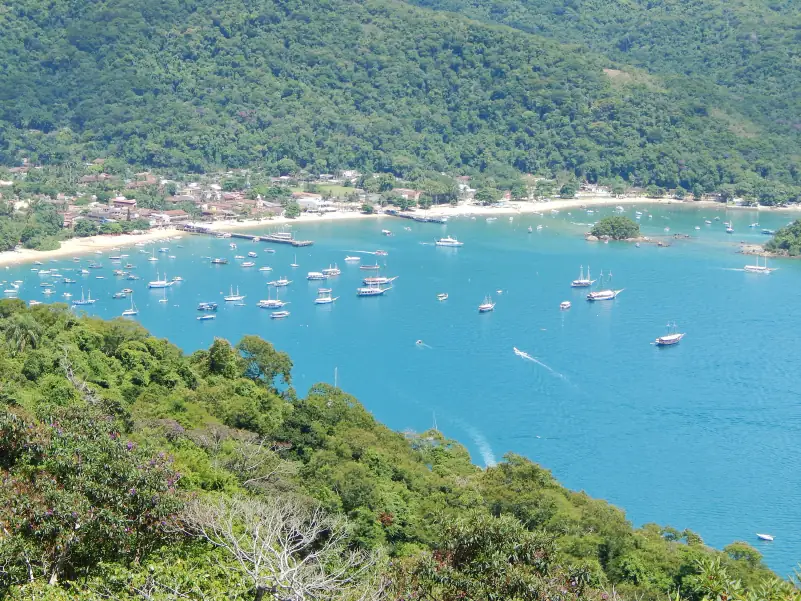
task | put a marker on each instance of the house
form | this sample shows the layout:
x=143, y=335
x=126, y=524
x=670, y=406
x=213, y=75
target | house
x=173, y=216
x=310, y=203
x=181, y=198
x=123, y=203
x=408, y=194
x=91, y=179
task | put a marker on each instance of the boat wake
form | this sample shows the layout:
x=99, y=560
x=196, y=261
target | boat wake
x=421, y=344
x=482, y=443
x=361, y=252
x=527, y=357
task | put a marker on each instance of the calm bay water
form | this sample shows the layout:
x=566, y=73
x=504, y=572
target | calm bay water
x=705, y=435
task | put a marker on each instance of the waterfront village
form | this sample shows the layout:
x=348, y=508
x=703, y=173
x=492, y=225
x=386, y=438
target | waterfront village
x=103, y=196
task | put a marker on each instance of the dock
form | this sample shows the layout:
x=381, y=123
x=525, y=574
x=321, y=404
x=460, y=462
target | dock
x=277, y=238
x=418, y=218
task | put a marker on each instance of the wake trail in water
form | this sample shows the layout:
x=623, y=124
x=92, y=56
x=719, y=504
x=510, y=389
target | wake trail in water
x=421, y=344
x=482, y=443
x=528, y=357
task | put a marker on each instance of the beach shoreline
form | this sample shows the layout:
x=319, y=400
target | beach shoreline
x=80, y=246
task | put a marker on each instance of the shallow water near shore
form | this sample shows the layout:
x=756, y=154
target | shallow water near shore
x=705, y=435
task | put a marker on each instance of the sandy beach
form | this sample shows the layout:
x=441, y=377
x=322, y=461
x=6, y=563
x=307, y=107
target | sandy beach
x=78, y=246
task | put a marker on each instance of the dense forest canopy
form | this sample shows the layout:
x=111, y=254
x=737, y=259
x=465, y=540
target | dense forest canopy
x=132, y=471
x=376, y=85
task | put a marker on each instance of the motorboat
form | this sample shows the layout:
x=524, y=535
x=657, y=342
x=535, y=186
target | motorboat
x=205, y=317
x=252, y=254
x=207, y=306
x=127, y=291
x=768, y=232
x=378, y=281
x=47, y=291
x=119, y=295
x=279, y=314
x=386, y=232
x=239, y=257
x=729, y=230
x=159, y=283
x=69, y=281
x=232, y=246
x=280, y=283
x=316, y=275
x=219, y=261
x=442, y=296
x=370, y=267
x=164, y=250
x=265, y=268
x=350, y=259
x=248, y=264
x=486, y=306
x=754, y=225
x=530, y=229
x=583, y=282
x=564, y=305
x=33, y=303
x=372, y=290
x=177, y=279
x=332, y=271
x=448, y=241
x=231, y=297
x=381, y=253
x=271, y=303
x=603, y=295
x=766, y=537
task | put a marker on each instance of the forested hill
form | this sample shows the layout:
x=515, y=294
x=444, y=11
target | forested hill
x=131, y=471
x=375, y=85
x=743, y=53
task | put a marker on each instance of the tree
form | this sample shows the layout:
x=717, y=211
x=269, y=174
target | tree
x=742, y=551
x=223, y=360
x=486, y=196
x=263, y=362
x=292, y=210
x=285, y=549
x=368, y=209
x=543, y=188
x=568, y=190
x=652, y=191
x=616, y=227
x=519, y=190
x=425, y=203
x=22, y=332
x=679, y=193
x=287, y=166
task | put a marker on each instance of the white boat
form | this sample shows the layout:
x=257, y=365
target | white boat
x=754, y=225
x=67, y=295
x=491, y=219
x=265, y=268
x=730, y=230
x=153, y=257
x=332, y=271
x=767, y=537
x=698, y=228
x=583, y=282
x=84, y=301
x=280, y=283
x=159, y=283
x=707, y=222
x=47, y=291
x=448, y=241
x=378, y=281
x=232, y=246
x=294, y=262
x=315, y=275
x=369, y=267
x=350, y=259
x=239, y=257
x=248, y=264
x=564, y=305
x=324, y=297
x=233, y=297
x=252, y=254
x=271, y=303
x=372, y=290
x=757, y=268
x=603, y=295
x=539, y=227
x=164, y=250
x=671, y=338
x=132, y=311
x=442, y=296
x=279, y=314
x=530, y=229
x=206, y=317
x=486, y=306
x=177, y=279
x=386, y=232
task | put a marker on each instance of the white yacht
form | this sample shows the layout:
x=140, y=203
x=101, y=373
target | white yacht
x=564, y=305
x=583, y=282
x=233, y=297
x=603, y=295
x=324, y=297
x=159, y=283
x=280, y=283
x=442, y=296
x=757, y=268
x=487, y=306
x=378, y=280
x=332, y=271
x=252, y=254
x=279, y=314
x=372, y=290
x=448, y=241
x=316, y=275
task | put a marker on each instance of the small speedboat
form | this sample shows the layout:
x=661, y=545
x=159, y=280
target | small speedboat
x=564, y=305
x=252, y=254
x=205, y=317
x=352, y=259
x=248, y=264
x=265, y=268
x=442, y=296
x=767, y=537
x=381, y=253
x=530, y=229
x=279, y=314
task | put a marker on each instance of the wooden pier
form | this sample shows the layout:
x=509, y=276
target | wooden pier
x=276, y=238
x=417, y=218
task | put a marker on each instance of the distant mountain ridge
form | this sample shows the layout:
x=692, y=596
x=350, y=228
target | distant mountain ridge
x=375, y=85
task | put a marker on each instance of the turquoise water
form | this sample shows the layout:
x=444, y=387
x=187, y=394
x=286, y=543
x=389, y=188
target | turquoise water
x=705, y=435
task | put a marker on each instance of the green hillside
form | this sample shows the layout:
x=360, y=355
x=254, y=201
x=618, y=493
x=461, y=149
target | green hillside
x=374, y=85
x=131, y=471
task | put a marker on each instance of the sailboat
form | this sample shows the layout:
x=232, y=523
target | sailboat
x=163, y=299
x=757, y=268
x=132, y=311
x=84, y=301
x=486, y=306
x=153, y=257
x=583, y=282
x=159, y=283
x=324, y=297
x=271, y=303
x=602, y=295
x=294, y=262
x=671, y=338
x=233, y=297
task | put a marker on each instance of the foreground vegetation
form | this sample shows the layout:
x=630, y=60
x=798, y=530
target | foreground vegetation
x=376, y=85
x=132, y=471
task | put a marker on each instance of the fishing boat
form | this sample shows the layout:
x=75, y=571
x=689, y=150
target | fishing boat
x=84, y=301
x=248, y=264
x=324, y=297
x=205, y=317
x=252, y=254
x=442, y=296
x=265, y=268
x=207, y=306
x=448, y=241
x=370, y=267
x=159, y=283
x=372, y=290
x=583, y=282
x=231, y=297
x=350, y=259
x=757, y=268
x=603, y=295
x=486, y=306
x=280, y=283
x=315, y=275
x=279, y=314
x=119, y=295
x=219, y=261
x=132, y=311
x=671, y=338
x=381, y=253
x=767, y=537
x=380, y=280
x=564, y=305
x=332, y=271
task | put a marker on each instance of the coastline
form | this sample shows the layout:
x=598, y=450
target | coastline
x=78, y=246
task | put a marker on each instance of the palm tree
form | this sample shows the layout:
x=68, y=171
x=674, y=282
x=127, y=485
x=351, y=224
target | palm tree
x=22, y=333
